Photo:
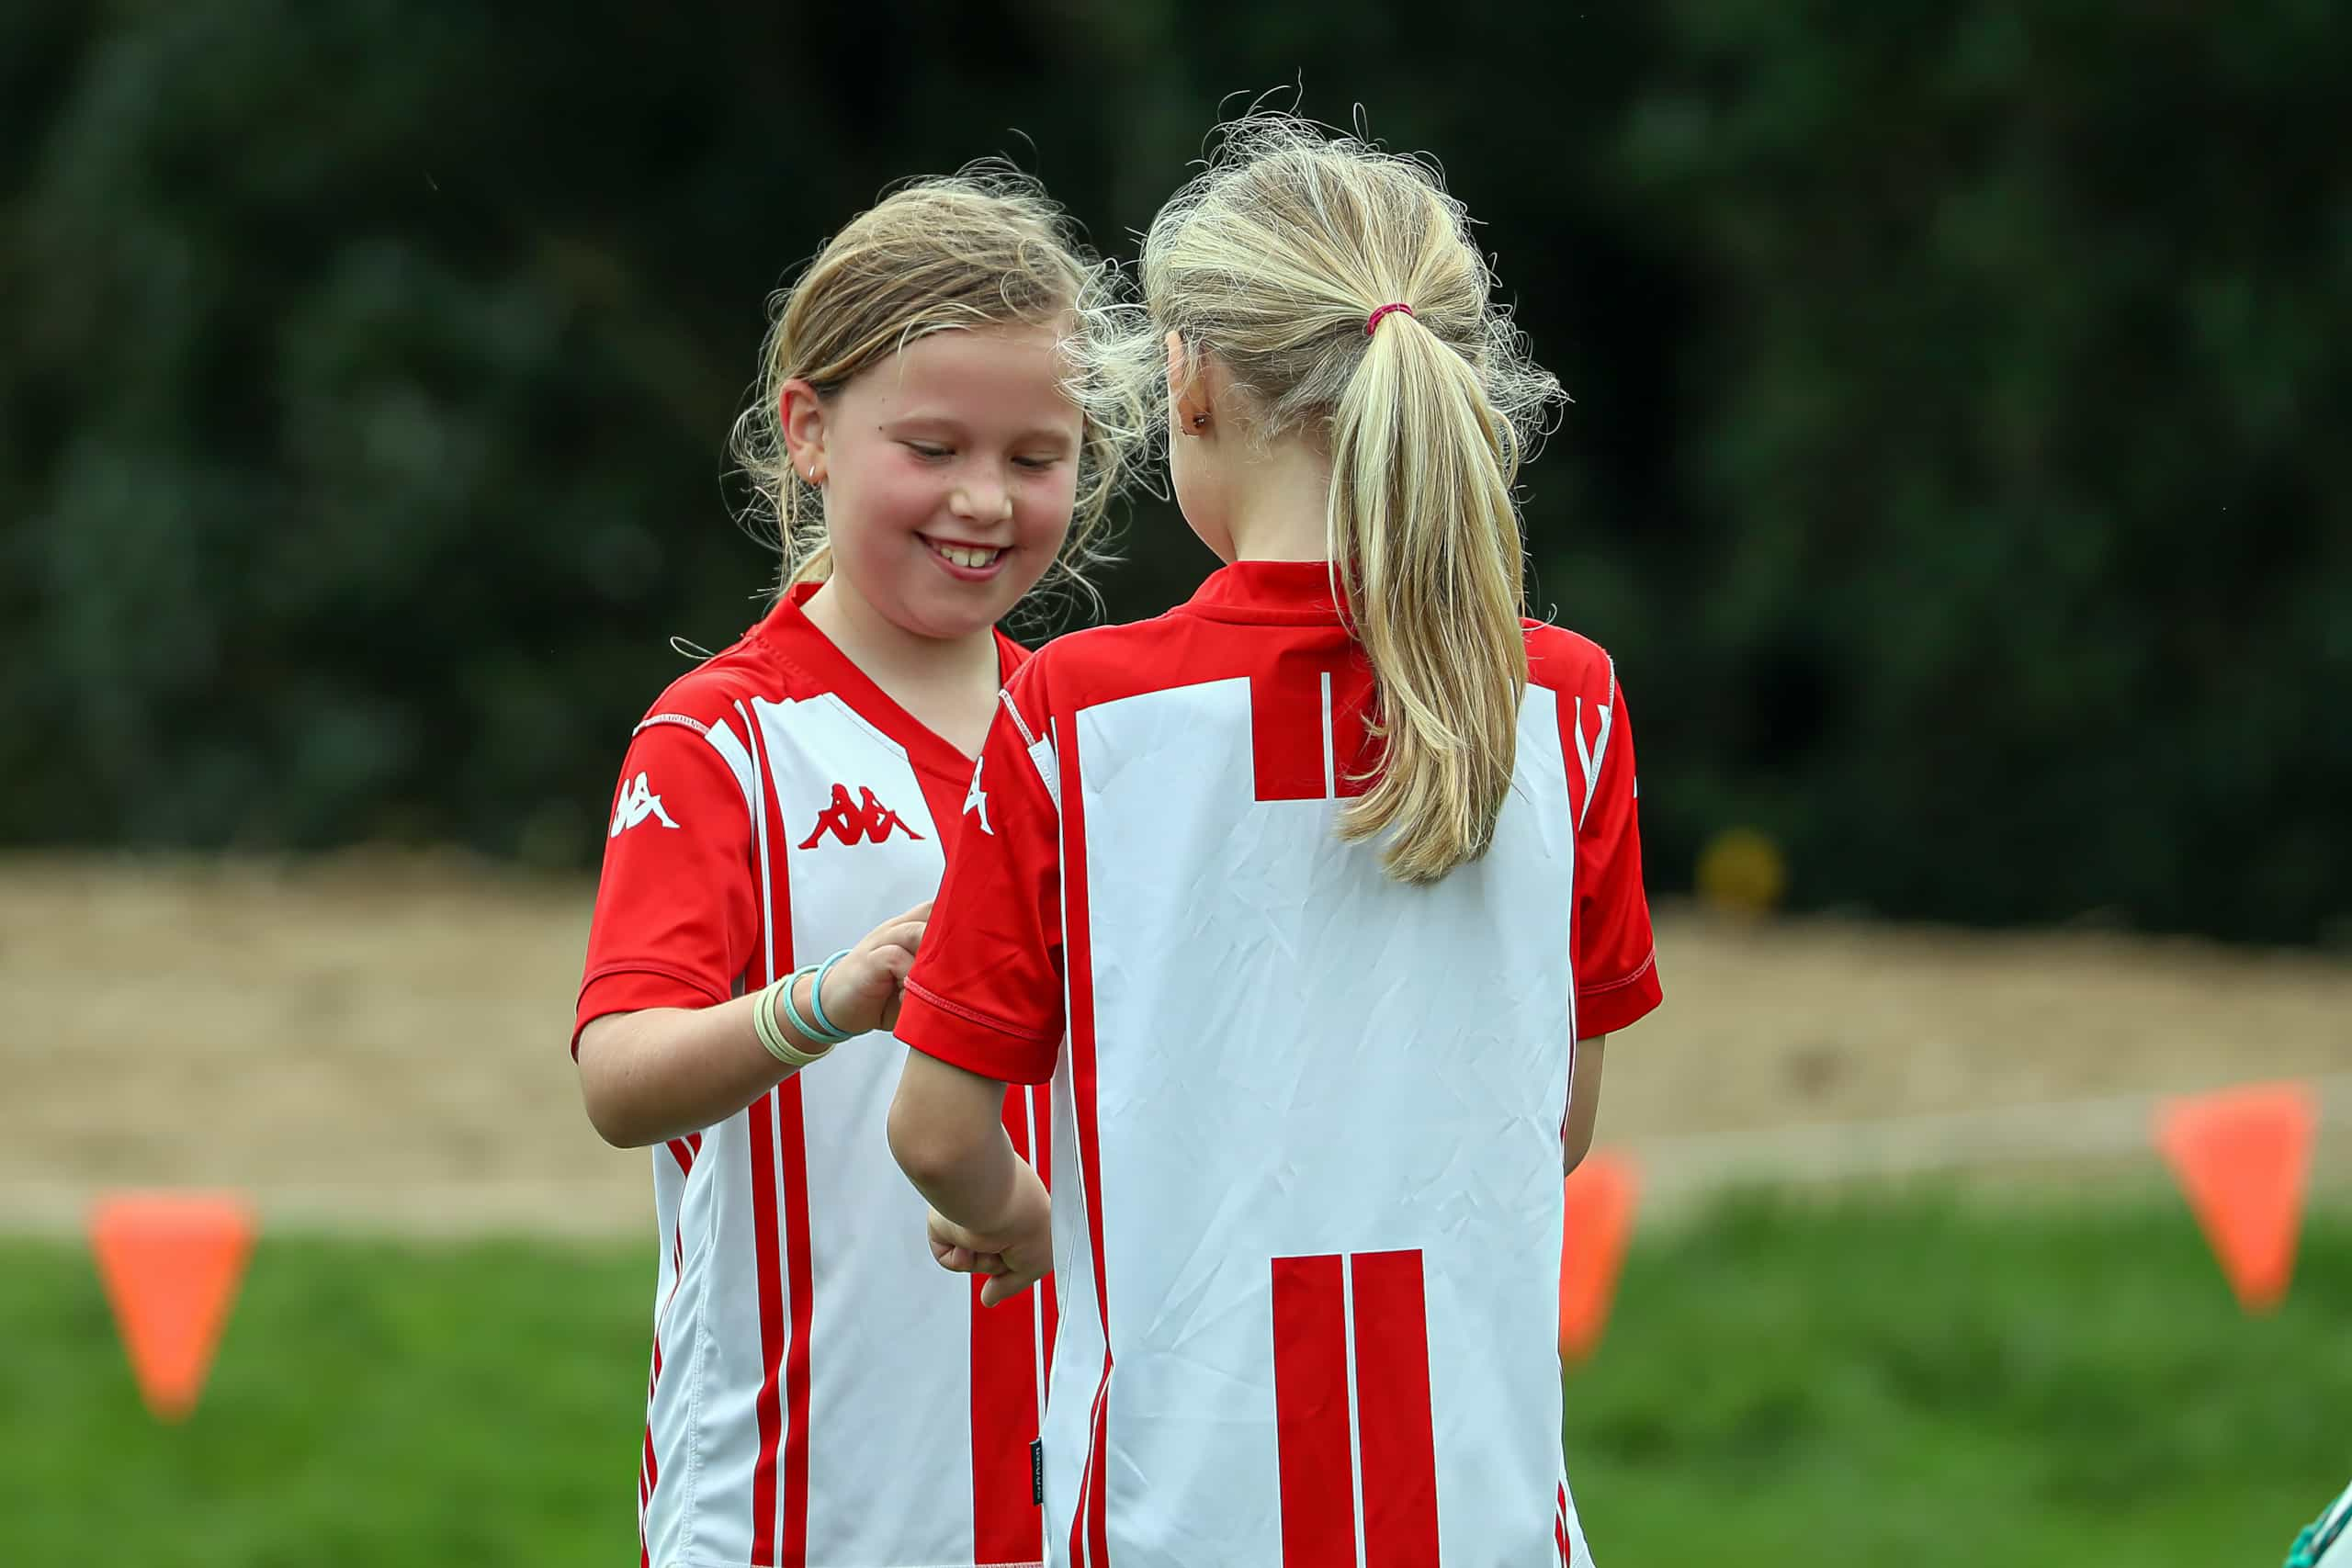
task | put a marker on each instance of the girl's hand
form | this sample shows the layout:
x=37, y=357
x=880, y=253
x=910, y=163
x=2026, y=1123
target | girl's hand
x=862, y=992
x=1014, y=1254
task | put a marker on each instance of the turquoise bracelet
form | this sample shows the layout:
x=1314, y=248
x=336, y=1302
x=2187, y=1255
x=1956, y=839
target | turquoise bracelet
x=817, y=1000
x=822, y=1031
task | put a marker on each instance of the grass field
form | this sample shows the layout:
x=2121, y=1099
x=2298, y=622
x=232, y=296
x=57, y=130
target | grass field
x=1908, y=1379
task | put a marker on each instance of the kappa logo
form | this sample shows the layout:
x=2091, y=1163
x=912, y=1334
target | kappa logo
x=864, y=820
x=976, y=799
x=1589, y=757
x=637, y=801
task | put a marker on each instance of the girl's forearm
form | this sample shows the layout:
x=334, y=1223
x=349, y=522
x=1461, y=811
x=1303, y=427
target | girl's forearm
x=665, y=1072
x=947, y=1133
x=1584, y=1102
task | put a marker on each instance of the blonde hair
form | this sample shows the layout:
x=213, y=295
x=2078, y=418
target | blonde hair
x=1271, y=262
x=980, y=248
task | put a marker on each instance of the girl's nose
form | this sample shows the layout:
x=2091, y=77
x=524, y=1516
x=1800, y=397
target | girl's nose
x=982, y=500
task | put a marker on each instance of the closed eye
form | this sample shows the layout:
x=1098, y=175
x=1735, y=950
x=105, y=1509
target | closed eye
x=1037, y=465
x=924, y=449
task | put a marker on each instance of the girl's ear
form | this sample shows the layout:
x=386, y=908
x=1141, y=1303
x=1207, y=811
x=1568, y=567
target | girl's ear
x=1190, y=397
x=802, y=414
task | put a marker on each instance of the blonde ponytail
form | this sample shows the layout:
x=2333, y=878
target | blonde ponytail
x=1274, y=261
x=1425, y=541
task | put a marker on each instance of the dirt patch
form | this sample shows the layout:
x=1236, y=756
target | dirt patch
x=373, y=1039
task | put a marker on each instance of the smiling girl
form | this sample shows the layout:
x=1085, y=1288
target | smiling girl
x=820, y=1395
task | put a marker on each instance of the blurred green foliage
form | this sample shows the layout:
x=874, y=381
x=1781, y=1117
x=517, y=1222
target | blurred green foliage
x=1947, y=471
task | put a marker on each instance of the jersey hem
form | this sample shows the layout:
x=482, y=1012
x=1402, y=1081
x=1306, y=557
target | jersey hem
x=973, y=1015
x=954, y=1035
x=1613, y=1005
x=583, y=1013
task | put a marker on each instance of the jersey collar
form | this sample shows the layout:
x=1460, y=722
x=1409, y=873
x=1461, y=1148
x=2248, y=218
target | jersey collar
x=789, y=634
x=1277, y=592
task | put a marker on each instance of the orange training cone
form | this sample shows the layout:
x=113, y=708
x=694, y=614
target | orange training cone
x=171, y=1263
x=1600, y=1194
x=2242, y=1156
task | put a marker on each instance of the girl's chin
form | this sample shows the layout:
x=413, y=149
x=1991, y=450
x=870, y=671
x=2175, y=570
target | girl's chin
x=953, y=615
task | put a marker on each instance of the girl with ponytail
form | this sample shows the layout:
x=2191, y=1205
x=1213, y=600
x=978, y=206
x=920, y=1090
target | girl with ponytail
x=1315, y=900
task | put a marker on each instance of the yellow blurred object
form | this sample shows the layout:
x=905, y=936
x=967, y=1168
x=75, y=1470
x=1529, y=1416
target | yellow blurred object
x=1742, y=871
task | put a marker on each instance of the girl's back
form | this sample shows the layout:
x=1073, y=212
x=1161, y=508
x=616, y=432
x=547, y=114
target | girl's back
x=1311, y=1282
x=1323, y=877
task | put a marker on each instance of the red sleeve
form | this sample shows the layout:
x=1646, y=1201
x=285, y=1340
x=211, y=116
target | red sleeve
x=1616, y=957
x=986, y=994
x=676, y=909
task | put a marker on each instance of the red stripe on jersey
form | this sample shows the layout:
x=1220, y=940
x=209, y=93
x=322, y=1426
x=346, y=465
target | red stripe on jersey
x=1005, y=1523
x=1286, y=734
x=779, y=1156
x=650, y=1474
x=1089, y=1545
x=1098, y=1510
x=1560, y=1523
x=1078, y=969
x=684, y=1153
x=1312, y=1445
x=792, y=1551
x=1004, y=1418
x=677, y=1278
x=762, y=1147
x=1393, y=1411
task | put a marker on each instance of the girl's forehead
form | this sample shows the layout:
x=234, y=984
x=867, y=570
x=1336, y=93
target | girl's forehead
x=974, y=374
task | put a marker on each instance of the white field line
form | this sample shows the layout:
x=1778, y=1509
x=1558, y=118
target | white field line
x=1673, y=1167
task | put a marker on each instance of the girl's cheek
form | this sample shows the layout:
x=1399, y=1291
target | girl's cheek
x=1058, y=493
x=909, y=495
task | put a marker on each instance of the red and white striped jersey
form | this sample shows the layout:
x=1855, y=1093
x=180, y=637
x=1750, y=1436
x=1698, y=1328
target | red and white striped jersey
x=1306, y=1119
x=821, y=1393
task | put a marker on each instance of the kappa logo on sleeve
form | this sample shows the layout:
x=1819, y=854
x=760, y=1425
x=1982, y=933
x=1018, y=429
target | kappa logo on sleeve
x=1589, y=757
x=637, y=801
x=976, y=800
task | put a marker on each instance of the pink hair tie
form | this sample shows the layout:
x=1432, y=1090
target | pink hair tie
x=1375, y=320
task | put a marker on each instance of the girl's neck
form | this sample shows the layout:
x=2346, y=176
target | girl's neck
x=1279, y=504
x=893, y=657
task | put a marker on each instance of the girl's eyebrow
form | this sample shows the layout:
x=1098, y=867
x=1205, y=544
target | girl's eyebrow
x=947, y=424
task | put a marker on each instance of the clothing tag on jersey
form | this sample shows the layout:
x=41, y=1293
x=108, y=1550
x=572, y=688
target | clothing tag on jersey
x=1037, y=1471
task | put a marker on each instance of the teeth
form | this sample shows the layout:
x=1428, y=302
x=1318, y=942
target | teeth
x=963, y=556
